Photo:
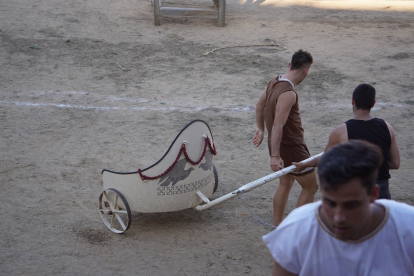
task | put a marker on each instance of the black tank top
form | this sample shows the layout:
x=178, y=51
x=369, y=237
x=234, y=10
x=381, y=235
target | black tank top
x=374, y=131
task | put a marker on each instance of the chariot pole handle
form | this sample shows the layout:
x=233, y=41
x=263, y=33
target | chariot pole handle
x=252, y=185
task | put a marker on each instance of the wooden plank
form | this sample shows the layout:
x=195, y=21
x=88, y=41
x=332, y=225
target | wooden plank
x=157, y=13
x=221, y=13
x=187, y=11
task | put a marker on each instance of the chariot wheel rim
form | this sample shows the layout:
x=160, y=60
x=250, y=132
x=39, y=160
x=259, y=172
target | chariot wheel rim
x=114, y=211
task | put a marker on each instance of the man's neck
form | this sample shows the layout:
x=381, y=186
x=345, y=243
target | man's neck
x=292, y=76
x=375, y=218
x=363, y=115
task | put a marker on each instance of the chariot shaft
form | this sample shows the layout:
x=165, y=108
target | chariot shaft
x=252, y=185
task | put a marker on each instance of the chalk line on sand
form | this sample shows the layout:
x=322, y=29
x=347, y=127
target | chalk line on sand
x=135, y=108
x=184, y=109
x=145, y=104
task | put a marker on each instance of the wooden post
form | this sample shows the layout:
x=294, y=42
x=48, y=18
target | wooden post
x=157, y=13
x=221, y=13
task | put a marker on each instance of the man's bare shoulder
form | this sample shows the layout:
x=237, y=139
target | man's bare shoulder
x=337, y=136
x=288, y=97
x=390, y=128
x=340, y=130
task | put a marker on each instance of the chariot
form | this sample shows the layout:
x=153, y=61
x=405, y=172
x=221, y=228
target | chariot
x=185, y=177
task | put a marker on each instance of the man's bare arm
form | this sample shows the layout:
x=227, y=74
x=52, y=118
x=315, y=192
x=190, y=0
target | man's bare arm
x=394, y=161
x=300, y=166
x=338, y=135
x=260, y=109
x=283, y=107
x=280, y=271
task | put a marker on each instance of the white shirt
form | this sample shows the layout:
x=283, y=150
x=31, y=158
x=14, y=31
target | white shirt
x=303, y=245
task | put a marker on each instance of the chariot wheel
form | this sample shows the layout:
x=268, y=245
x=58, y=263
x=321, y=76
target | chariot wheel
x=114, y=210
x=215, y=179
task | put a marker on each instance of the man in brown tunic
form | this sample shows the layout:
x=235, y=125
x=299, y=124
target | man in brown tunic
x=278, y=108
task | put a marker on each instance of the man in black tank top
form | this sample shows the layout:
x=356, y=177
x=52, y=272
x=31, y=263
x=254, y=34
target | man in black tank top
x=364, y=127
x=374, y=131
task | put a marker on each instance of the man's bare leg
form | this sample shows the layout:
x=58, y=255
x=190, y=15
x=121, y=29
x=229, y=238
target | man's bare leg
x=281, y=197
x=310, y=186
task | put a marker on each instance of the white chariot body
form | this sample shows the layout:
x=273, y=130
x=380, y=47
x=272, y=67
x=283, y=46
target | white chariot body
x=171, y=184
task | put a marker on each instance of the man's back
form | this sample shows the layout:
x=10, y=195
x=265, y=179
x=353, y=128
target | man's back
x=293, y=133
x=374, y=131
x=303, y=245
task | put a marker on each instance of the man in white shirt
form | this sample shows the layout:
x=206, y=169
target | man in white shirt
x=348, y=232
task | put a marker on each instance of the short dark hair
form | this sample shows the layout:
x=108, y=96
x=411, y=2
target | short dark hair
x=301, y=59
x=346, y=161
x=364, y=96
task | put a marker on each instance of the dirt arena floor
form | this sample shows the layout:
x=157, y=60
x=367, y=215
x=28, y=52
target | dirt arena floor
x=88, y=85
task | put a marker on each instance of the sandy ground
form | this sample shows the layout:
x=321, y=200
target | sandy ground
x=88, y=85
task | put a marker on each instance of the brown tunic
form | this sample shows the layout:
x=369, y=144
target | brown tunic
x=292, y=145
x=293, y=133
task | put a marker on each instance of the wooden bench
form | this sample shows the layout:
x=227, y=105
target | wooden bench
x=159, y=11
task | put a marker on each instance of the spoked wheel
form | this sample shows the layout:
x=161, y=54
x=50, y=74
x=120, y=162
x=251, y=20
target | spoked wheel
x=215, y=179
x=115, y=211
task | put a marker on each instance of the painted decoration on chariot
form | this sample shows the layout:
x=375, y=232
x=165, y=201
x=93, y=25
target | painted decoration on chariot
x=177, y=173
x=167, y=183
x=209, y=161
x=186, y=188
